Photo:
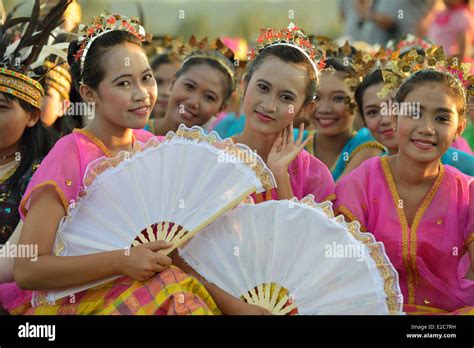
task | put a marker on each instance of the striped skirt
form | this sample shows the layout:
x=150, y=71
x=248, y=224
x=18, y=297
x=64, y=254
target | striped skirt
x=171, y=292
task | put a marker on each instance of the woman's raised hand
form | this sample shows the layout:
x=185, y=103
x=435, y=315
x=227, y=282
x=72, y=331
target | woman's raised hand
x=285, y=149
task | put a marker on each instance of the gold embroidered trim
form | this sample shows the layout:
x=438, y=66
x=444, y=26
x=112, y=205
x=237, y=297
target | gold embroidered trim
x=341, y=209
x=21, y=86
x=401, y=219
x=53, y=183
x=268, y=195
x=332, y=197
x=416, y=221
x=95, y=140
x=469, y=239
x=367, y=145
x=409, y=258
x=258, y=198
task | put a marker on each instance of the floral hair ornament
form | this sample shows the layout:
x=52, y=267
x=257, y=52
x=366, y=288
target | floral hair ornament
x=101, y=25
x=18, y=59
x=397, y=70
x=292, y=36
x=203, y=49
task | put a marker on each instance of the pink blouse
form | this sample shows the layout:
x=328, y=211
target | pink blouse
x=308, y=175
x=430, y=255
x=65, y=165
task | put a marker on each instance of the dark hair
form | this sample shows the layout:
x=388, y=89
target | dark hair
x=339, y=64
x=94, y=67
x=434, y=76
x=210, y=58
x=374, y=78
x=35, y=143
x=164, y=58
x=287, y=54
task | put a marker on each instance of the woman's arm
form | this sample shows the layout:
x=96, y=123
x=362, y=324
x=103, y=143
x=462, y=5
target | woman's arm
x=50, y=272
x=284, y=190
x=227, y=303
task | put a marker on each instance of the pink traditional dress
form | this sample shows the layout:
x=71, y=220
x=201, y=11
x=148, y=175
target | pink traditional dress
x=430, y=255
x=168, y=292
x=308, y=175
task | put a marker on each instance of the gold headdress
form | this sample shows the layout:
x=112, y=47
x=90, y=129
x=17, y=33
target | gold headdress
x=359, y=62
x=101, y=25
x=202, y=49
x=19, y=59
x=397, y=70
x=58, y=77
x=165, y=44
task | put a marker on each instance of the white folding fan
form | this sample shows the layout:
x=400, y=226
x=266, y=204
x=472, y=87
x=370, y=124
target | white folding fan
x=295, y=257
x=167, y=190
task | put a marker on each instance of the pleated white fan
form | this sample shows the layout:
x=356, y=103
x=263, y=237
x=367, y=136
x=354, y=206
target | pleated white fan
x=167, y=190
x=295, y=257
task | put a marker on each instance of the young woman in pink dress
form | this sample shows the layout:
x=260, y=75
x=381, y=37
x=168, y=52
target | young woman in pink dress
x=422, y=210
x=123, y=96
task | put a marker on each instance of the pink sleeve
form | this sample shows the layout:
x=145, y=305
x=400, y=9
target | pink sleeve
x=469, y=232
x=59, y=169
x=317, y=179
x=351, y=193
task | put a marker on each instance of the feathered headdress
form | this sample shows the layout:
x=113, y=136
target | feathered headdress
x=19, y=59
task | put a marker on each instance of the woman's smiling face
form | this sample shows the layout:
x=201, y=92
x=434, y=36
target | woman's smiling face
x=331, y=116
x=197, y=95
x=274, y=95
x=428, y=137
x=381, y=122
x=127, y=94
